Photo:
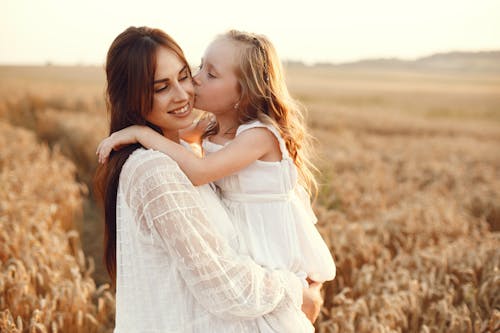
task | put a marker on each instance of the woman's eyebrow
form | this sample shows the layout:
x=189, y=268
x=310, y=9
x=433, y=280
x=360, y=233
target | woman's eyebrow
x=183, y=69
x=167, y=79
x=161, y=80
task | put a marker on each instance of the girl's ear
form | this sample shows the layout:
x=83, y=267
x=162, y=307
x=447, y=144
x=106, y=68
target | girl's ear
x=237, y=104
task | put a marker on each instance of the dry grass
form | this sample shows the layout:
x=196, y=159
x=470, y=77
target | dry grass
x=45, y=278
x=410, y=202
x=409, y=221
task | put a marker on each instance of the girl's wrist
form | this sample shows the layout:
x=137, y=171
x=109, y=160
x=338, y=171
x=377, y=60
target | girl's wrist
x=141, y=132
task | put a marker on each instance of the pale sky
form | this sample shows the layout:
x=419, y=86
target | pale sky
x=80, y=31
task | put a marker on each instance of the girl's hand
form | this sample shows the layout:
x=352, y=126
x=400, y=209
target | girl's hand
x=118, y=140
x=193, y=133
x=312, y=301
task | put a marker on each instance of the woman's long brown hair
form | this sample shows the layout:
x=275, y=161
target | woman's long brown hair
x=130, y=70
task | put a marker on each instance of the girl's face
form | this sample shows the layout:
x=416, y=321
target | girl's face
x=173, y=94
x=216, y=83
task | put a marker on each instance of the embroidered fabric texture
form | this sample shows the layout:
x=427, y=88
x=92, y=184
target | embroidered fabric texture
x=177, y=270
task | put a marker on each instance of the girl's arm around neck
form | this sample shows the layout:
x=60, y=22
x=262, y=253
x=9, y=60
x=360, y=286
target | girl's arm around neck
x=245, y=149
x=193, y=133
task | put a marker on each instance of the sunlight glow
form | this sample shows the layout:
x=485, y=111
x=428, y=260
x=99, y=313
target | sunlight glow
x=69, y=32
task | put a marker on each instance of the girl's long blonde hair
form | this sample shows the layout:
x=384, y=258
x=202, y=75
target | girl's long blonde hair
x=265, y=97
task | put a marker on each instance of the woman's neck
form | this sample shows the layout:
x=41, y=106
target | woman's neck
x=172, y=135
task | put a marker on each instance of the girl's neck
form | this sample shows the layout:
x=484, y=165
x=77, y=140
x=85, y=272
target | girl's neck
x=228, y=125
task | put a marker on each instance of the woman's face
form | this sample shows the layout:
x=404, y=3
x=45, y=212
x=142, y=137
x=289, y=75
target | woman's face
x=173, y=94
x=216, y=83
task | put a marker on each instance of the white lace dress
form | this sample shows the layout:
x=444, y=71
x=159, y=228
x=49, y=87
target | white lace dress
x=176, y=268
x=273, y=215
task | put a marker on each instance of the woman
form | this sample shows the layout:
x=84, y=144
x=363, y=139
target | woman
x=169, y=245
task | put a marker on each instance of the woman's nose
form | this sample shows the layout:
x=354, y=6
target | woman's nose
x=196, y=79
x=180, y=93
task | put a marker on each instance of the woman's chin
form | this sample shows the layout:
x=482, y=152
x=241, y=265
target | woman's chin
x=185, y=120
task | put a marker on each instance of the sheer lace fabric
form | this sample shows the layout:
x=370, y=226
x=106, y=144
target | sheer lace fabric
x=177, y=270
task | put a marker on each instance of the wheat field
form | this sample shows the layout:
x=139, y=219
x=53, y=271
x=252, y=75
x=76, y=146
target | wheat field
x=409, y=202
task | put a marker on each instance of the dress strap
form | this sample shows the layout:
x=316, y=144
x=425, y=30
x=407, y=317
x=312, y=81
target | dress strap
x=272, y=129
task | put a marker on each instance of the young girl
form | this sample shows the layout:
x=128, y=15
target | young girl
x=256, y=154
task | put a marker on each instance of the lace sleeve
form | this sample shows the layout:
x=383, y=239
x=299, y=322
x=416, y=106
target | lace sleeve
x=223, y=282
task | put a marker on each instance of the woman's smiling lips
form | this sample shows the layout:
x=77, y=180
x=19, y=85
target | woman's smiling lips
x=181, y=112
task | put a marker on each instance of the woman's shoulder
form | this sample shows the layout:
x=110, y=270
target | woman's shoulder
x=145, y=162
x=142, y=156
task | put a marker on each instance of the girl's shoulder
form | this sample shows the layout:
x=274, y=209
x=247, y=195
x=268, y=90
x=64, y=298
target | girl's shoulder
x=271, y=128
x=256, y=124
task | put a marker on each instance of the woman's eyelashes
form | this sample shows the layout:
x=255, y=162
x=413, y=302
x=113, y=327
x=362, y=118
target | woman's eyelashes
x=163, y=88
x=183, y=77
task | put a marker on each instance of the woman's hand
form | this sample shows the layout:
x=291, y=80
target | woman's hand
x=118, y=140
x=312, y=301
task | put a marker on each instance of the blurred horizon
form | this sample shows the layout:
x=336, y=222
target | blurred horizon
x=75, y=33
x=285, y=60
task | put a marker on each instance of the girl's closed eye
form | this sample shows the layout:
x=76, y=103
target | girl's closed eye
x=209, y=73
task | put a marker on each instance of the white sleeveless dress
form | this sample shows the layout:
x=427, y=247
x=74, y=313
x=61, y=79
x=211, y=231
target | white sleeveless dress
x=273, y=216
